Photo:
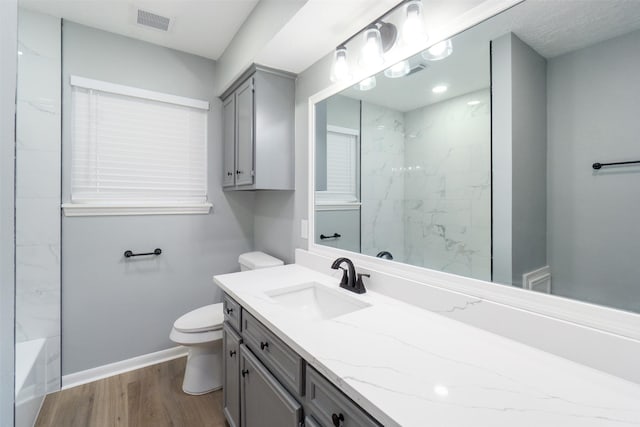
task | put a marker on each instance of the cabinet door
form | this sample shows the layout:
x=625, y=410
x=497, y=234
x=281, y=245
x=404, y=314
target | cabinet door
x=229, y=141
x=264, y=401
x=329, y=407
x=245, y=133
x=231, y=365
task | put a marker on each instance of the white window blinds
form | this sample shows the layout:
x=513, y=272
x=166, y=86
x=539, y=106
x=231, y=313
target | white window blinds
x=131, y=146
x=342, y=166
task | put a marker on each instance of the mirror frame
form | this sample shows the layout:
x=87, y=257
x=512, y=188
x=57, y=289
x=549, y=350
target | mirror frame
x=603, y=318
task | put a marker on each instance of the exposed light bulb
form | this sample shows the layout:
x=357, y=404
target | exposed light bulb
x=413, y=27
x=439, y=89
x=400, y=69
x=438, y=51
x=372, y=49
x=368, y=83
x=340, y=68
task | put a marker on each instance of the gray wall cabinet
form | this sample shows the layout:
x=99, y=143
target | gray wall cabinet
x=265, y=383
x=258, y=131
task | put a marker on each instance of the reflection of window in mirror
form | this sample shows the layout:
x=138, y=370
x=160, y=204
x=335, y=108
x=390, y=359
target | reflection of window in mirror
x=342, y=166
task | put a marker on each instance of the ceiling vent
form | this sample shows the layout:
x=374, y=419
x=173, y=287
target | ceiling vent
x=416, y=68
x=152, y=20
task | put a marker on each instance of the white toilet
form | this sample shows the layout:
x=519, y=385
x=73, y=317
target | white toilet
x=201, y=331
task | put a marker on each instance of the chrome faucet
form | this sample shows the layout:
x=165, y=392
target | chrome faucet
x=349, y=281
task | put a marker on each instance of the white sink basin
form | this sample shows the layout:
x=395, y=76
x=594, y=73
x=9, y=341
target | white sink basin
x=315, y=301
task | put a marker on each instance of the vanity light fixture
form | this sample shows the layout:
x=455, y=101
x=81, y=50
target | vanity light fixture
x=380, y=37
x=372, y=49
x=367, y=84
x=439, y=89
x=438, y=51
x=400, y=69
x=413, y=27
x=340, y=67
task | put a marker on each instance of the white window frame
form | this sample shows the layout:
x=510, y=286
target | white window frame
x=327, y=200
x=72, y=209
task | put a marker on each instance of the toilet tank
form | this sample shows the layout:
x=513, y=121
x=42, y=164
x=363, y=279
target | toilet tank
x=255, y=260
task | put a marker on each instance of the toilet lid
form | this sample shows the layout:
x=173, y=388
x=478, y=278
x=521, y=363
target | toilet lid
x=207, y=318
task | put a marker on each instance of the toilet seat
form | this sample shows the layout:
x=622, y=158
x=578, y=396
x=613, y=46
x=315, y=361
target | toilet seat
x=203, y=319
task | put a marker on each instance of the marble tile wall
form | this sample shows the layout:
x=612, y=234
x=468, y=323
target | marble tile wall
x=382, y=188
x=447, y=186
x=38, y=186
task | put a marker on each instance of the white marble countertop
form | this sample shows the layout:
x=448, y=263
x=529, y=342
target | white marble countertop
x=410, y=367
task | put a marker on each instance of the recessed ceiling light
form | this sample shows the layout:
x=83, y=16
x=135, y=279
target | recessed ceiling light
x=474, y=102
x=439, y=89
x=19, y=52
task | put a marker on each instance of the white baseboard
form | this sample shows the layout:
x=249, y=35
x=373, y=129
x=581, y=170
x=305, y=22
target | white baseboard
x=105, y=371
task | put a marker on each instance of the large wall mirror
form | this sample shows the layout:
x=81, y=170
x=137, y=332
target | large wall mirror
x=476, y=157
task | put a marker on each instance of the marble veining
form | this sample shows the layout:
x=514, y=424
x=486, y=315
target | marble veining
x=38, y=189
x=410, y=367
x=447, y=186
x=426, y=184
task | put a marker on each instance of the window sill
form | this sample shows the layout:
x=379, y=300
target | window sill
x=92, y=209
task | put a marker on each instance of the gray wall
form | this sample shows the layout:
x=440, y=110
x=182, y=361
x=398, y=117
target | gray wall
x=519, y=160
x=344, y=222
x=8, y=64
x=529, y=151
x=593, y=112
x=116, y=309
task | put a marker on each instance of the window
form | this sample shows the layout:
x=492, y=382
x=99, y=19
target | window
x=136, y=151
x=342, y=166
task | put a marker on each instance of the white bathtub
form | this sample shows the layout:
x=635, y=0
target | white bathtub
x=31, y=378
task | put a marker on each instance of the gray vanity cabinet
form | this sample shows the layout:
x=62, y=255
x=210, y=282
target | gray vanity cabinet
x=258, y=131
x=274, y=354
x=329, y=407
x=268, y=384
x=231, y=371
x=264, y=402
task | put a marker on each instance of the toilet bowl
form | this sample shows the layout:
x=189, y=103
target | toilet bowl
x=201, y=331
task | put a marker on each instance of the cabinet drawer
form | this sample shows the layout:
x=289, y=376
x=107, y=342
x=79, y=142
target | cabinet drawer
x=231, y=312
x=329, y=407
x=264, y=402
x=285, y=364
x=231, y=362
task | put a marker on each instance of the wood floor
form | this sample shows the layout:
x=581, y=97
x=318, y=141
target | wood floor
x=147, y=397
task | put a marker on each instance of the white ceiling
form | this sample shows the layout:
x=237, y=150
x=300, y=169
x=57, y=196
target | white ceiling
x=201, y=27
x=551, y=27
